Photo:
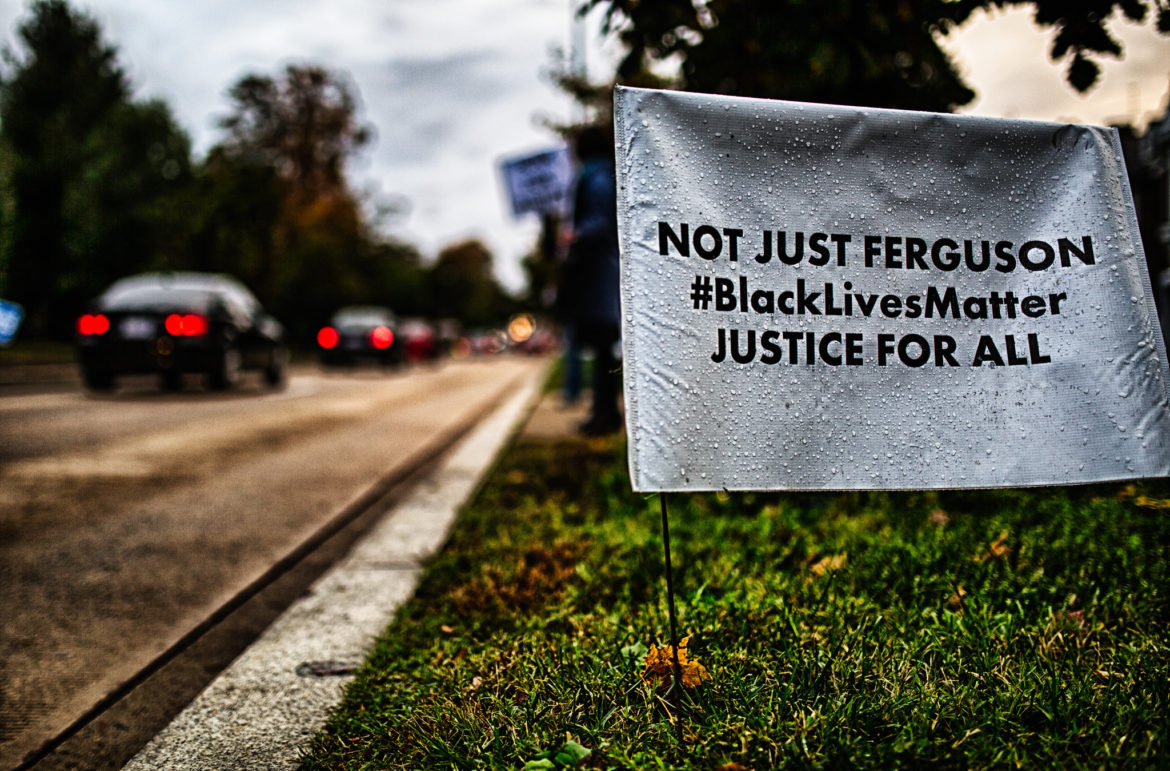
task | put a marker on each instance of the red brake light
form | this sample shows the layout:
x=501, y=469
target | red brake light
x=381, y=337
x=194, y=325
x=93, y=324
x=327, y=338
x=189, y=325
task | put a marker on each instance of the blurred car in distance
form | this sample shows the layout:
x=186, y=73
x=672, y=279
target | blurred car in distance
x=359, y=333
x=448, y=332
x=178, y=323
x=419, y=340
x=488, y=342
x=542, y=343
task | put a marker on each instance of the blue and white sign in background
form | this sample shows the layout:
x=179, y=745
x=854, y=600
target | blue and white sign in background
x=11, y=314
x=539, y=183
x=822, y=297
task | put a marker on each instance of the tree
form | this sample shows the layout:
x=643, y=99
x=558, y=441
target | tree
x=124, y=208
x=841, y=51
x=234, y=209
x=292, y=136
x=7, y=213
x=68, y=82
x=464, y=288
x=87, y=170
x=305, y=125
x=277, y=201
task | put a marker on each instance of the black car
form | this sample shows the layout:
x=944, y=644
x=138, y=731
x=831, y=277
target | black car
x=361, y=333
x=177, y=323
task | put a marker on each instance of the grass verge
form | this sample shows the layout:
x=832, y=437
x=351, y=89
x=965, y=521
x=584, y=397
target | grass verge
x=862, y=630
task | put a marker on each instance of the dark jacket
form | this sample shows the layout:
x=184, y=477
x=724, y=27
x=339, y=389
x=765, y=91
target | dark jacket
x=590, y=285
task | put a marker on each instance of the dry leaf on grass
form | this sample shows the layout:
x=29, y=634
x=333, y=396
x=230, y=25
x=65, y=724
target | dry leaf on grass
x=998, y=549
x=660, y=666
x=826, y=564
x=539, y=576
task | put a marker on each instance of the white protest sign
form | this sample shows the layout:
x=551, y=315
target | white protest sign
x=820, y=297
x=539, y=182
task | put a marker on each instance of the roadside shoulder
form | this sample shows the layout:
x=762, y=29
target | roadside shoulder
x=261, y=711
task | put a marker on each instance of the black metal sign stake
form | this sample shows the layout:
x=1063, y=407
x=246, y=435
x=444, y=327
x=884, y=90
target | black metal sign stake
x=677, y=689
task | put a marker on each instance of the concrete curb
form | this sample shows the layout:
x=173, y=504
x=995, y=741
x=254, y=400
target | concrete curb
x=259, y=712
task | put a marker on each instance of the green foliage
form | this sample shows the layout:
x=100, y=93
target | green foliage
x=7, y=212
x=234, y=209
x=276, y=186
x=277, y=206
x=569, y=756
x=305, y=124
x=463, y=287
x=87, y=171
x=125, y=206
x=842, y=51
x=971, y=629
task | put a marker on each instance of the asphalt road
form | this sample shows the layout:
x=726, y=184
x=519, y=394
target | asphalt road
x=126, y=519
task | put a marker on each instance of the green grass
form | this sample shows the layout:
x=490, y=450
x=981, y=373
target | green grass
x=864, y=630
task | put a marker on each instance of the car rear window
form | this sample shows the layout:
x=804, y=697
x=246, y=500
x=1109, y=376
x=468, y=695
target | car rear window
x=362, y=318
x=158, y=298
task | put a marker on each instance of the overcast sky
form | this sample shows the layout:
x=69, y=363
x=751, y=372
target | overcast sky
x=453, y=86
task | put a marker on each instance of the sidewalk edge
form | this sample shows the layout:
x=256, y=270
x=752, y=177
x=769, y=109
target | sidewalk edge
x=259, y=712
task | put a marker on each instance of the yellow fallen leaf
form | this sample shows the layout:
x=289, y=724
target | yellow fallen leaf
x=825, y=564
x=997, y=550
x=659, y=666
x=1152, y=503
x=693, y=674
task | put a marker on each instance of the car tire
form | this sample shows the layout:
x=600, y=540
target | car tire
x=276, y=373
x=97, y=379
x=171, y=380
x=227, y=372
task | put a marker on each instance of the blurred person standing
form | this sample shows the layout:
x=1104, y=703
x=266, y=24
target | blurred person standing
x=566, y=312
x=590, y=279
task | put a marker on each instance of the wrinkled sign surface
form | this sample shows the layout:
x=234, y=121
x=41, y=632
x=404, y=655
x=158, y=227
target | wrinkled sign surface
x=819, y=297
